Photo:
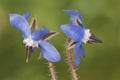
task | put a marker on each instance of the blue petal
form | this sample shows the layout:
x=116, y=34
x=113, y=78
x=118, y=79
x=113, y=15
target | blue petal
x=73, y=15
x=20, y=23
x=44, y=30
x=38, y=34
x=74, y=32
x=76, y=56
x=76, y=59
x=49, y=52
x=79, y=51
x=82, y=52
x=26, y=15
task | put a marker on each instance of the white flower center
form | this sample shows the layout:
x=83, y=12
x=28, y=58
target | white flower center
x=86, y=36
x=30, y=42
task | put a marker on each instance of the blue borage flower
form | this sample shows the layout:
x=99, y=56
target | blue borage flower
x=77, y=32
x=34, y=37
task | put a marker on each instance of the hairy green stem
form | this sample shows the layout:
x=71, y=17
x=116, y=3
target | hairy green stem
x=52, y=70
x=70, y=60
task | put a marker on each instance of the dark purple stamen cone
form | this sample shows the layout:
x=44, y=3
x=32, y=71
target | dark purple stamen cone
x=29, y=51
x=94, y=39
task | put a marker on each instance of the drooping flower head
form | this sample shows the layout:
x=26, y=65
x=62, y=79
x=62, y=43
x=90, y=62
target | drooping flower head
x=34, y=37
x=77, y=32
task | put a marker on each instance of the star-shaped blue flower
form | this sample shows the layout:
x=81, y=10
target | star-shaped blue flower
x=34, y=37
x=76, y=31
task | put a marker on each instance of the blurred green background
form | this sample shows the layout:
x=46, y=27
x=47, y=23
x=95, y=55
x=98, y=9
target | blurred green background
x=102, y=61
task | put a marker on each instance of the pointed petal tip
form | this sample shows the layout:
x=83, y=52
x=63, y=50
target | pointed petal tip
x=54, y=59
x=28, y=12
x=58, y=59
x=77, y=63
x=77, y=60
x=68, y=11
x=44, y=28
x=11, y=15
x=71, y=12
x=26, y=15
x=62, y=27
